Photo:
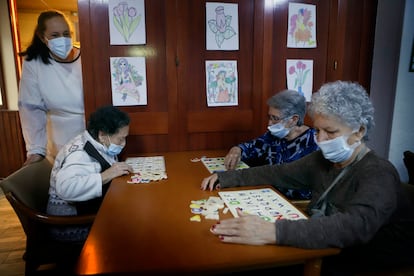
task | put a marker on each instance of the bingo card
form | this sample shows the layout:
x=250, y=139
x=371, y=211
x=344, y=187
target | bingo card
x=216, y=164
x=265, y=203
x=151, y=168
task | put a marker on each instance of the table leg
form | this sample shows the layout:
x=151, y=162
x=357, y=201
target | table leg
x=312, y=267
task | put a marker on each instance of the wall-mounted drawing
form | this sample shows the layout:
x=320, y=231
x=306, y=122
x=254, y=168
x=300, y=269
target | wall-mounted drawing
x=221, y=82
x=222, y=26
x=126, y=22
x=129, y=82
x=299, y=73
x=301, y=26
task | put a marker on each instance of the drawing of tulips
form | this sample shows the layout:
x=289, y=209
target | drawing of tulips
x=126, y=20
x=301, y=74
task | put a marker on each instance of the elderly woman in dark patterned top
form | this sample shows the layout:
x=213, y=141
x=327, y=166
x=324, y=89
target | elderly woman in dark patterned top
x=357, y=204
x=286, y=140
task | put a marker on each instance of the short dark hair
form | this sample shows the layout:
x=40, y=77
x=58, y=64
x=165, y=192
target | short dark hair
x=108, y=119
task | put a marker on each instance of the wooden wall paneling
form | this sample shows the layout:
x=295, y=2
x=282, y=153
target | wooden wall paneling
x=101, y=90
x=264, y=17
x=170, y=25
x=154, y=134
x=334, y=63
x=87, y=39
x=219, y=121
x=176, y=116
x=150, y=124
x=351, y=39
x=281, y=53
x=353, y=22
x=202, y=121
x=12, y=147
x=261, y=66
x=367, y=42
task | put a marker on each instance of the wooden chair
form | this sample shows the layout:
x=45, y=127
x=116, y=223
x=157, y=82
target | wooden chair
x=27, y=190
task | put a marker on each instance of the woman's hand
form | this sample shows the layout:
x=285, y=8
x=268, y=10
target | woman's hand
x=210, y=183
x=232, y=158
x=246, y=229
x=33, y=158
x=117, y=169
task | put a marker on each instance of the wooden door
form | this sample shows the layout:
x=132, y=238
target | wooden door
x=176, y=116
x=201, y=126
x=152, y=125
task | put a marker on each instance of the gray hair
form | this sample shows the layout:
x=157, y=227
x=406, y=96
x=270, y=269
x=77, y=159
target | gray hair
x=289, y=103
x=346, y=101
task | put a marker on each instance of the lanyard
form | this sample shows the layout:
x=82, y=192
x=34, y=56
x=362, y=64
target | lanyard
x=320, y=206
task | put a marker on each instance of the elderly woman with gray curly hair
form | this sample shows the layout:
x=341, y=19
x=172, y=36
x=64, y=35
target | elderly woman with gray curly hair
x=357, y=204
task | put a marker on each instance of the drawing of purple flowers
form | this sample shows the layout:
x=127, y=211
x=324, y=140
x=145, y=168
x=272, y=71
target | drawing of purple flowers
x=301, y=74
x=221, y=26
x=125, y=19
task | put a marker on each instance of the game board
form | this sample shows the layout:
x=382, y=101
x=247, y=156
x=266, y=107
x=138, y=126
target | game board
x=216, y=164
x=265, y=203
x=146, y=169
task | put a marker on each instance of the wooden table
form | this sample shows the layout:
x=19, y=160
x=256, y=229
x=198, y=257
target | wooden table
x=146, y=229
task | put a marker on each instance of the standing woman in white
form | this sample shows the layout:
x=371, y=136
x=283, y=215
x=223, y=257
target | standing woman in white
x=51, y=104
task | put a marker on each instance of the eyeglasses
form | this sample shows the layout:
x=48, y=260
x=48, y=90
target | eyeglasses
x=275, y=118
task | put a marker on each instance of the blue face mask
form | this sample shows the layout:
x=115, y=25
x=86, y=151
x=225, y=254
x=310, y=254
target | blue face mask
x=337, y=150
x=279, y=130
x=114, y=149
x=60, y=46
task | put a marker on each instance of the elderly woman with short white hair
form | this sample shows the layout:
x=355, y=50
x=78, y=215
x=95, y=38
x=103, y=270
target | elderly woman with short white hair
x=357, y=202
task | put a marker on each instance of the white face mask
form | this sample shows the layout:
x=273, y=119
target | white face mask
x=279, y=130
x=337, y=150
x=60, y=46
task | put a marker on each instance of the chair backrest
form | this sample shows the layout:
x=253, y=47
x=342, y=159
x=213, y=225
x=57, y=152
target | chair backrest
x=408, y=189
x=409, y=164
x=30, y=184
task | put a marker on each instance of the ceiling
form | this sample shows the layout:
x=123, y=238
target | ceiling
x=62, y=5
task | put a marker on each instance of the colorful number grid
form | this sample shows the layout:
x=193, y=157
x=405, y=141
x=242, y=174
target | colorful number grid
x=265, y=203
x=216, y=164
x=150, y=168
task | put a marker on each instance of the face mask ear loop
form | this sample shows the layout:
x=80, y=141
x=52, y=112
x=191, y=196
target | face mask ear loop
x=356, y=131
x=109, y=138
x=290, y=127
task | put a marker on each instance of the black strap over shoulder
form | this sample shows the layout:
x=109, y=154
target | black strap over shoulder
x=92, y=206
x=95, y=154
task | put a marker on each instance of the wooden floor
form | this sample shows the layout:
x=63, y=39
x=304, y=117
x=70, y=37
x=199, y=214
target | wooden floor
x=12, y=241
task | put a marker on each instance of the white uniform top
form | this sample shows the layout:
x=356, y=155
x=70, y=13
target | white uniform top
x=51, y=105
x=76, y=176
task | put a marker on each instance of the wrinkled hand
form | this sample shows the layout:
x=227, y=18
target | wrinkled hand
x=232, y=158
x=246, y=229
x=33, y=158
x=117, y=169
x=210, y=183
